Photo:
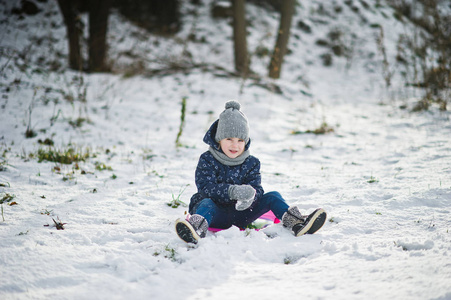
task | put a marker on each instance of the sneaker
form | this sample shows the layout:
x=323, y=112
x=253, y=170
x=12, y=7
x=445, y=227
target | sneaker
x=300, y=225
x=191, y=230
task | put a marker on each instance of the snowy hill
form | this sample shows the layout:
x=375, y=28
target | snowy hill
x=382, y=173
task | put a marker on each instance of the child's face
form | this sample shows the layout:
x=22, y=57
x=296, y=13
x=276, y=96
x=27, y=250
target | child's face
x=232, y=147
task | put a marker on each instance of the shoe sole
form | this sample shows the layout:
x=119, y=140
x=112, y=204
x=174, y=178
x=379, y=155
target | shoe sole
x=319, y=222
x=186, y=232
x=315, y=222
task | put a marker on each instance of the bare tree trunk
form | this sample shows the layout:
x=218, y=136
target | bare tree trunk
x=167, y=14
x=239, y=37
x=70, y=17
x=98, y=24
x=282, y=38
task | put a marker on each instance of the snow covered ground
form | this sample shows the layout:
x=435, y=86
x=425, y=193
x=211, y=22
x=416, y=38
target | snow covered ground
x=383, y=175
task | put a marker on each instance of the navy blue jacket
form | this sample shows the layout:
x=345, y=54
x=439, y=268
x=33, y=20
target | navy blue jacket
x=213, y=178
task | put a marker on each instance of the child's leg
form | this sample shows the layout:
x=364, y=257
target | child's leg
x=276, y=203
x=270, y=201
x=217, y=217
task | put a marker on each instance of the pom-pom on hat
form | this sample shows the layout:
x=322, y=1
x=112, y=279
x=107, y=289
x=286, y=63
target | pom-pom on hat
x=232, y=123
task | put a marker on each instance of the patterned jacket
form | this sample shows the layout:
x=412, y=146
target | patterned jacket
x=213, y=178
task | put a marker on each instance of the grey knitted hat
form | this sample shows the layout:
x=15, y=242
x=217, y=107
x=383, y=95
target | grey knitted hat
x=232, y=123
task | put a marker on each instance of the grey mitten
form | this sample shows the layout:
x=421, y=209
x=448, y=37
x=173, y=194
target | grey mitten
x=243, y=194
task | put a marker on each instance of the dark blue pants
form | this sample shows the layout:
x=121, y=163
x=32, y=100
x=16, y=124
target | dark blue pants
x=225, y=217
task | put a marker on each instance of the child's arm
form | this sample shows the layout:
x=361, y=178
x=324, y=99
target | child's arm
x=207, y=182
x=254, y=179
x=250, y=190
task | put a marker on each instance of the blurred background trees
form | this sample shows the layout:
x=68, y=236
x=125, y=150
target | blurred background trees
x=162, y=17
x=423, y=53
x=153, y=15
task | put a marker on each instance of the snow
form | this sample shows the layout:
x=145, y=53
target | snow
x=383, y=175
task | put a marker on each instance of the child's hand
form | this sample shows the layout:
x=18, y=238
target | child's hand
x=243, y=194
x=243, y=205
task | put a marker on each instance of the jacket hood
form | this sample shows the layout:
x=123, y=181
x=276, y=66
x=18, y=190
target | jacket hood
x=210, y=135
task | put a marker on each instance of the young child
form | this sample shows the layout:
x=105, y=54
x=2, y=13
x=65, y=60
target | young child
x=229, y=185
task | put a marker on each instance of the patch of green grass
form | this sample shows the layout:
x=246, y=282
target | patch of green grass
x=182, y=122
x=77, y=123
x=69, y=176
x=47, y=212
x=323, y=129
x=147, y=154
x=168, y=252
x=47, y=142
x=157, y=174
x=3, y=164
x=30, y=133
x=290, y=259
x=176, y=202
x=101, y=166
x=252, y=226
x=372, y=179
x=64, y=156
x=5, y=199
